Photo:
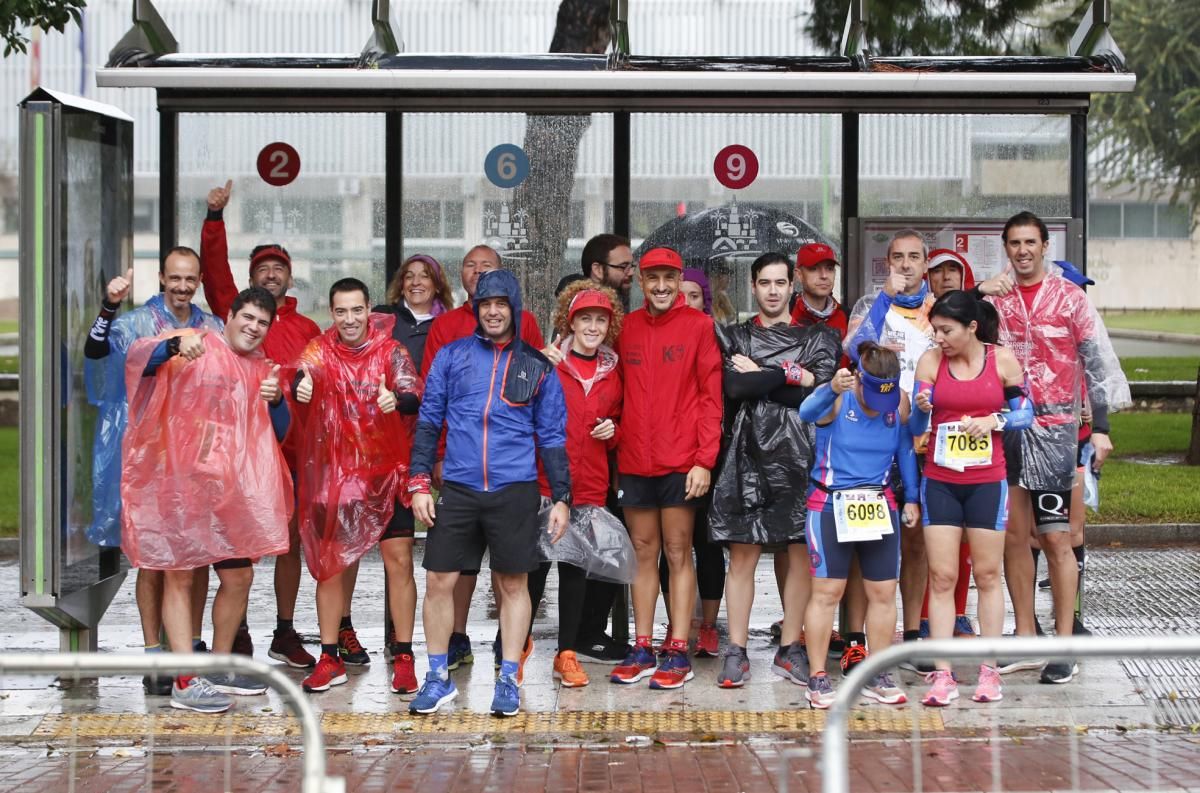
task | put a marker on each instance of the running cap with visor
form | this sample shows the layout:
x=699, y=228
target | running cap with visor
x=814, y=253
x=588, y=298
x=1072, y=274
x=661, y=257
x=940, y=256
x=880, y=394
x=264, y=252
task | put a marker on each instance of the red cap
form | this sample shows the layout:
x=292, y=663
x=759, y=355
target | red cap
x=814, y=253
x=270, y=252
x=588, y=298
x=661, y=257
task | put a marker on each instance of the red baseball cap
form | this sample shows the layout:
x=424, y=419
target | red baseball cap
x=264, y=252
x=661, y=257
x=588, y=298
x=814, y=253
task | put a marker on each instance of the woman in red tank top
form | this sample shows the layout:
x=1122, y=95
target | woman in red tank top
x=966, y=382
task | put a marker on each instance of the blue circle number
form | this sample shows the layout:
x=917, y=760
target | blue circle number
x=506, y=166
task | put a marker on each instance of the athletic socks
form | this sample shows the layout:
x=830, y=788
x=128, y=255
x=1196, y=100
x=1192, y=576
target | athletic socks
x=330, y=649
x=282, y=625
x=346, y=624
x=439, y=664
x=861, y=638
x=678, y=645
x=401, y=648
x=153, y=648
x=911, y=636
x=643, y=641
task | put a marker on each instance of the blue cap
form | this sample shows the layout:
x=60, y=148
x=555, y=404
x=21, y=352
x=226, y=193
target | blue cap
x=1072, y=274
x=880, y=394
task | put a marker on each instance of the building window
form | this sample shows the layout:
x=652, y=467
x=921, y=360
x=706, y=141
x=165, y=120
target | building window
x=145, y=216
x=1139, y=220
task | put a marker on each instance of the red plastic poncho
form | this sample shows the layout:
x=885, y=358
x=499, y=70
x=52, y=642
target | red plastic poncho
x=353, y=462
x=203, y=478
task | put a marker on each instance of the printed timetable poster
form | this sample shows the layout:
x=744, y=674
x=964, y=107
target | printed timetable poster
x=977, y=241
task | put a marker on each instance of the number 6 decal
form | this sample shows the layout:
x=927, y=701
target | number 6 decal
x=506, y=166
x=278, y=164
x=736, y=167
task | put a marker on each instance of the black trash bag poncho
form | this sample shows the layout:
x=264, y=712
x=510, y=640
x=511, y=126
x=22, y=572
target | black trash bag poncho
x=762, y=477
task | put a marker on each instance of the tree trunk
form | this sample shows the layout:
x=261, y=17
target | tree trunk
x=552, y=143
x=1193, y=454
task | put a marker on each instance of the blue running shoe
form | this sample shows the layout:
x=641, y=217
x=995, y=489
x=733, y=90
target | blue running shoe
x=923, y=631
x=435, y=693
x=507, y=699
x=638, y=663
x=963, y=626
x=673, y=671
x=459, y=651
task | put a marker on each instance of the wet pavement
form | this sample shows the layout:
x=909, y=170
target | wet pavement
x=604, y=735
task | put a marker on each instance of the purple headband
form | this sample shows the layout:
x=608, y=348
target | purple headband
x=435, y=268
x=698, y=277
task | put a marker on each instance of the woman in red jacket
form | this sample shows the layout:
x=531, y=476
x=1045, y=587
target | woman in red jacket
x=588, y=319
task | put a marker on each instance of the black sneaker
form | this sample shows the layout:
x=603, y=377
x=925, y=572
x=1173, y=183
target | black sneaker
x=1078, y=628
x=157, y=685
x=602, y=650
x=1044, y=583
x=243, y=644
x=1059, y=672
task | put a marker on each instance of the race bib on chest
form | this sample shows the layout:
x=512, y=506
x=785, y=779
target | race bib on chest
x=958, y=450
x=861, y=515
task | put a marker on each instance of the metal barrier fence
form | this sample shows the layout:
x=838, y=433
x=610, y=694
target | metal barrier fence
x=82, y=665
x=835, y=752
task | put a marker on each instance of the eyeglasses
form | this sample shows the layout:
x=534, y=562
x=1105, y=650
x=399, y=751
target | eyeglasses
x=623, y=267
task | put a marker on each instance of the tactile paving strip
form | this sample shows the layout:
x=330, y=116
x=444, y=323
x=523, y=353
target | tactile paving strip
x=574, y=723
x=1140, y=592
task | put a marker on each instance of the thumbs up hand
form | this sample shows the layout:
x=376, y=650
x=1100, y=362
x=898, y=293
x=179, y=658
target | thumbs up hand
x=304, y=390
x=386, y=400
x=269, y=391
x=118, y=288
x=218, y=197
x=192, y=347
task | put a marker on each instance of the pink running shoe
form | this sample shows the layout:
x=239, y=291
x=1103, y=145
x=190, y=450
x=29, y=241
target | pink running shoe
x=944, y=689
x=989, y=689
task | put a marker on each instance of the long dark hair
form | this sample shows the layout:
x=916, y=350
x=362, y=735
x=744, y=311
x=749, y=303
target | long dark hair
x=963, y=308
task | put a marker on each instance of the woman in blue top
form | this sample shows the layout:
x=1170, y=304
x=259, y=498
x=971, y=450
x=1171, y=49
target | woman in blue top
x=862, y=427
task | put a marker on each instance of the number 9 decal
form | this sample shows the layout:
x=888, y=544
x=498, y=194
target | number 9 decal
x=506, y=166
x=736, y=167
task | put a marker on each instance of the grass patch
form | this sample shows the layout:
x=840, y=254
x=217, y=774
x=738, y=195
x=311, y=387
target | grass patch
x=1150, y=434
x=1132, y=492
x=1157, y=321
x=10, y=364
x=1164, y=368
x=8, y=326
x=10, y=481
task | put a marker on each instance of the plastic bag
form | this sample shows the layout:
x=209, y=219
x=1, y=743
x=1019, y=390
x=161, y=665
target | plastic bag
x=105, y=381
x=1091, y=478
x=595, y=541
x=353, y=461
x=203, y=478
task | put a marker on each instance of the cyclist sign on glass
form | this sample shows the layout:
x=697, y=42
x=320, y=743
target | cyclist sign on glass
x=506, y=165
x=278, y=164
x=736, y=167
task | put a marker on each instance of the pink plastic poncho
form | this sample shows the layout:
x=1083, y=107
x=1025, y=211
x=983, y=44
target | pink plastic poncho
x=203, y=478
x=353, y=461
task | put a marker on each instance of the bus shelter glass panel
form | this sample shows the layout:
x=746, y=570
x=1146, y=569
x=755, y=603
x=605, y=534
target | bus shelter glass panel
x=964, y=165
x=724, y=189
x=535, y=188
x=311, y=182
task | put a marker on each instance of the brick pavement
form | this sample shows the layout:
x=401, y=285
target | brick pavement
x=1114, y=761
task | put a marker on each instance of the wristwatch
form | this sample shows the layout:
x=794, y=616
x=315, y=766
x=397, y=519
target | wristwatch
x=1001, y=421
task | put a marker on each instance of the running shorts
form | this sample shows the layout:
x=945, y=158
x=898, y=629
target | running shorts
x=828, y=558
x=503, y=522
x=1051, y=510
x=402, y=526
x=978, y=506
x=650, y=492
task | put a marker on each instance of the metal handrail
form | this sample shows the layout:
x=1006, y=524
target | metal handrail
x=171, y=664
x=835, y=752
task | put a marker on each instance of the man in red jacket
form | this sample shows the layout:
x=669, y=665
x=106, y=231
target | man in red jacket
x=271, y=269
x=448, y=327
x=671, y=367
x=816, y=271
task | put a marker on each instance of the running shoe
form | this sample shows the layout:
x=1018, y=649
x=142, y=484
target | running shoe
x=963, y=627
x=883, y=689
x=639, y=663
x=507, y=699
x=791, y=663
x=1078, y=628
x=988, y=689
x=943, y=691
x=708, y=644
x=330, y=671
x=198, y=646
x=459, y=651
x=242, y=643
x=673, y=671
x=404, y=675
x=852, y=656
x=776, y=631
x=157, y=685
x=923, y=630
x=232, y=683
x=1007, y=665
x=820, y=691
x=1059, y=672
x=735, y=670
x=200, y=696
x=601, y=650
x=568, y=671
x=836, y=645
x=287, y=647
x=1044, y=583
x=351, y=650
x=435, y=693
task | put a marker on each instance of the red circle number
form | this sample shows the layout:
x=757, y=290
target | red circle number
x=278, y=164
x=736, y=167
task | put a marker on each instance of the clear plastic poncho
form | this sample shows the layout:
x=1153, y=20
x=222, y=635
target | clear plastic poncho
x=353, y=459
x=1063, y=346
x=105, y=379
x=595, y=541
x=203, y=479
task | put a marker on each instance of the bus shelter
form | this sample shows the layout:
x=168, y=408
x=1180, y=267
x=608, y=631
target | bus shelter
x=563, y=146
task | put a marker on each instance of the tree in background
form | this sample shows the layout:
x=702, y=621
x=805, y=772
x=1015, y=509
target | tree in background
x=952, y=27
x=16, y=15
